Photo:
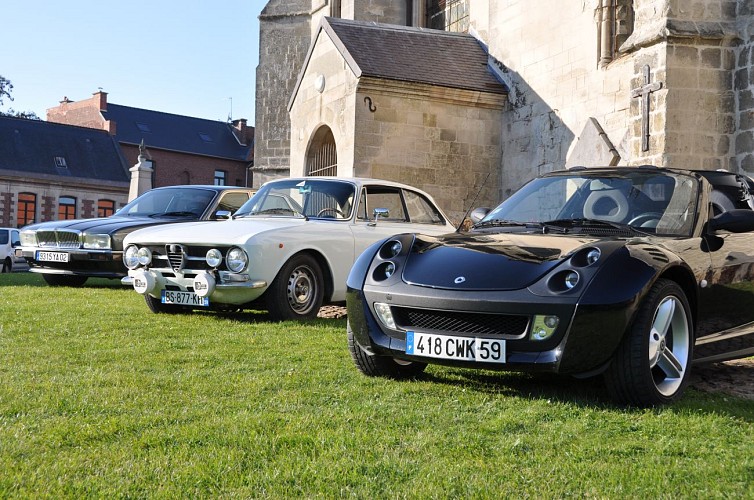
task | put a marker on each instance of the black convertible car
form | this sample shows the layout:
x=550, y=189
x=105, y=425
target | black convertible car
x=633, y=273
x=68, y=252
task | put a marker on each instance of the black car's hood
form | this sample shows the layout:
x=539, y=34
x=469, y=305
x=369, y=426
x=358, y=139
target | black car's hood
x=487, y=261
x=104, y=225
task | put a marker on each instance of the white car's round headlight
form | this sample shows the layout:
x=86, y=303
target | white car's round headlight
x=236, y=260
x=129, y=257
x=144, y=256
x=214, y=257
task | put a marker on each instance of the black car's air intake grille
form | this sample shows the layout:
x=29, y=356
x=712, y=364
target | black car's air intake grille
x=453, y=322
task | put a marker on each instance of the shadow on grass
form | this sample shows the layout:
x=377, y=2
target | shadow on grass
x=592, y=391
x=36, y=280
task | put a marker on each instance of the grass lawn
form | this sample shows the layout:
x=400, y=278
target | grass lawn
x=101, y=398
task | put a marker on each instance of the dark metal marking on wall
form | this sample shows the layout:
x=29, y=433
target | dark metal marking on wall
x=644, y=92
x=368, y=100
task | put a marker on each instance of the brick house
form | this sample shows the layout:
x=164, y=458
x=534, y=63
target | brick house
x=182, y=149
x=51, y=171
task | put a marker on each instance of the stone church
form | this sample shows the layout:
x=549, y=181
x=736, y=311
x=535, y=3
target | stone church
x=474, y=97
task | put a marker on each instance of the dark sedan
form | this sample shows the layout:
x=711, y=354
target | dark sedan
x=68, y=252
x=632, y=273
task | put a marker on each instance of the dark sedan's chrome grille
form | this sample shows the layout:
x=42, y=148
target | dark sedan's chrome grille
x=176, y=256
x=59, y=239
x=453, y=322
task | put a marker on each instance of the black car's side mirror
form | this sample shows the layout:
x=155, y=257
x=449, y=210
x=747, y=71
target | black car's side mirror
x=734, y=221
x=478, y=214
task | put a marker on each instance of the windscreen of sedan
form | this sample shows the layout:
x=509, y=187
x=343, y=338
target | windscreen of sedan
x=645, y=201
x=326, y=199
x=169, y=202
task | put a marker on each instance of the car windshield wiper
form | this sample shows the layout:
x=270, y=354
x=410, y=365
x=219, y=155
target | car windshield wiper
x=175, y=214
x=502, y=223
x=584, y=221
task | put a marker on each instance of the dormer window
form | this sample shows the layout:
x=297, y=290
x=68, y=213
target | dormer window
x=60, y=162
x=143, y=127
x=205, y=137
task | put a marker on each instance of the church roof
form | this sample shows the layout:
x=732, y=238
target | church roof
x=446, y=59
x=36, y=147
x=175, y=132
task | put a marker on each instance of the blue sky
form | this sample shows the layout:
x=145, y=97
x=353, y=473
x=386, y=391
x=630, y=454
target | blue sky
x=186, y=57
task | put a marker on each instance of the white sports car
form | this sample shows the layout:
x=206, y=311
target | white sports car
x=287, y=250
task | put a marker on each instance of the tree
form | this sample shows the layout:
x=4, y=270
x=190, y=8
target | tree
x=6, y=87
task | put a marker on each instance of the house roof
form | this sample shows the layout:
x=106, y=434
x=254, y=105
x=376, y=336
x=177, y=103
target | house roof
x=446, y=59
x=176, y=132
x=36, y=147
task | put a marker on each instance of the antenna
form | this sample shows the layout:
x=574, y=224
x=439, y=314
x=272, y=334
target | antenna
x=230, y=115
x=471, y=207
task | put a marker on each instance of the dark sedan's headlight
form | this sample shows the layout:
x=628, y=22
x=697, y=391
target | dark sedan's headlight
x=28, y=238
x=97, y=241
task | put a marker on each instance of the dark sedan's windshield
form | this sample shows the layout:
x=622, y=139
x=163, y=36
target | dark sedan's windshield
x=326, y=198
x=170, y=202
x=646, y=201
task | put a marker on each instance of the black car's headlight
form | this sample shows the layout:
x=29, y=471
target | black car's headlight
x=575, y=271
x=390, y=257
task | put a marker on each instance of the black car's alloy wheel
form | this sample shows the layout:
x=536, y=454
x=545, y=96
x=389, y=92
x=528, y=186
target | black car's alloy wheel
x=651, y=367
x=64, y=279
x=297, y=291
x=381, y=366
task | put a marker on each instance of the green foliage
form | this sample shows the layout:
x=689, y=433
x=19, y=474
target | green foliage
x=6, y=87
x=100, y=398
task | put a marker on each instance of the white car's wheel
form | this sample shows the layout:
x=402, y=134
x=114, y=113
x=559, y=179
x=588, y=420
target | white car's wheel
x=7, y=265
x=297, y=291
x=158, y=307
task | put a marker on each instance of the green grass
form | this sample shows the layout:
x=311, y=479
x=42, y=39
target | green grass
x=101, y=398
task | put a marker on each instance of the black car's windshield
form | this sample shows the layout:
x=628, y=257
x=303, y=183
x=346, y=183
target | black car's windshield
x=325, y=199
x=169, y=202
x=637, y=200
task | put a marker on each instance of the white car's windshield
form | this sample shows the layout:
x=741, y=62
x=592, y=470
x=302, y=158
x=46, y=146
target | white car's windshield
x=330, y=199
x=644, y=201
x=178, y=202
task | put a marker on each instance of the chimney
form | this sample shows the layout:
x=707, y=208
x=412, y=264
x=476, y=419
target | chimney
x=100, y=99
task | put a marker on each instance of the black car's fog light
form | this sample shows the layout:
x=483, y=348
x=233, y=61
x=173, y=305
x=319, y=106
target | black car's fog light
x=384, y=314
x=384, y=271
x=542, y=327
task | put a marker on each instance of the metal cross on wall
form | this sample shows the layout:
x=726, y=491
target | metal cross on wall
x=644, y=92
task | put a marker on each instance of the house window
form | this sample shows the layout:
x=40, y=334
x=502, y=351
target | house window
x=60, y=162
x=448, y=15
x=105, y=208
x=27, y=209
x=205, y=137
x=143, y=127
x=66, y=208
x=220, y=177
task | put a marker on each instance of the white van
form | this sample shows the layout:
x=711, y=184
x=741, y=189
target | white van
x=9, y=240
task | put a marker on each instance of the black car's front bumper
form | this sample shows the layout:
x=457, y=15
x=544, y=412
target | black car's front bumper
x=583, y=341
x=81, y=262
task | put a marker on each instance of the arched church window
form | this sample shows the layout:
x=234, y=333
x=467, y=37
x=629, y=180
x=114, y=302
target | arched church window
x=448, y=15
x=616, y=23
x=322, y=158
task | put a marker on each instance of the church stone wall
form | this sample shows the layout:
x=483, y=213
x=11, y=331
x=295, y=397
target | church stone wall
x=332, y=107
x=742, y=158
x=284, y=38
x=431, y=138
x=385, y=11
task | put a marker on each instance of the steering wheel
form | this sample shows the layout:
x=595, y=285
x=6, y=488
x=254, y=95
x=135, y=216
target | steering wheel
x=642, y=219
x=330, y=209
